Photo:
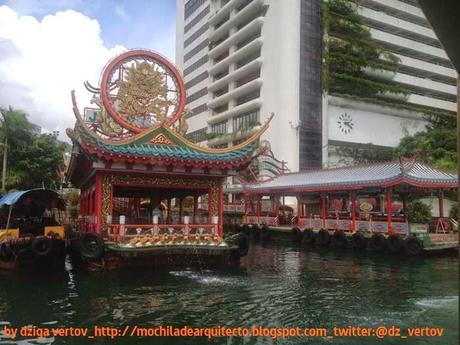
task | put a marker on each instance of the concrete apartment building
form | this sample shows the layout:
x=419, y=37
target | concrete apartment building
x=245, y=59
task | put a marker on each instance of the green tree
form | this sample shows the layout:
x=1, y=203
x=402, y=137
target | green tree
x=15, y=131
x=33, y=159
x=437, y=145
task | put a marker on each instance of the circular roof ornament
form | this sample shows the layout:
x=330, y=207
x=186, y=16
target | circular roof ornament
x=141, y=89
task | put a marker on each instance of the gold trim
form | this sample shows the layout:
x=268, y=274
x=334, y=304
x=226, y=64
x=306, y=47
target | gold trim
x=184, y=140
x=251, y=139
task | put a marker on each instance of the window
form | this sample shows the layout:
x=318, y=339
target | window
x=221, y=74
x=197, y=95
x=220, y=92
x=196, y=34
x=247, y=78
x=196, y=80
x=246, y=121
x=248, y=59
x=195, y=20
x=197, y=110
x=248, y=97
x=196, y=50
x=198, y=63
x=191, y=6
x=221, y=57
x=198, y=135
x=219, y=128
x=248, y=40
x=221, y=109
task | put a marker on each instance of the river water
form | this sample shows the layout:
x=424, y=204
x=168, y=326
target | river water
x=276, y=286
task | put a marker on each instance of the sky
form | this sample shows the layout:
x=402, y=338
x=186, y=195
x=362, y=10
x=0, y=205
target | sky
x=50, y=47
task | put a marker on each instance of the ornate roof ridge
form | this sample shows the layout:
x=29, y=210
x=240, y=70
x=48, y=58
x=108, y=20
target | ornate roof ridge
x=135, y=138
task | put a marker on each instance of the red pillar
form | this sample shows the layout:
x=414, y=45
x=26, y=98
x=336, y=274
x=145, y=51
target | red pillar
x=324, y=209
x=441, y=203
x=353, y=211
x=195, y=209
x=299, y=208
x=98, y=202
x=220, y=210
x=388, y=200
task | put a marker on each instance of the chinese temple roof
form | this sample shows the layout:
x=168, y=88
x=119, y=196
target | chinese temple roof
x=140, y=120
x=165, y=145
x=380, y=175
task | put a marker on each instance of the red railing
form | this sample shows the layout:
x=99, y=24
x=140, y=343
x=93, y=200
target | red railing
x=124, y=232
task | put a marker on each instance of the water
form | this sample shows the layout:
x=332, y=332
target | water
x=276, y=286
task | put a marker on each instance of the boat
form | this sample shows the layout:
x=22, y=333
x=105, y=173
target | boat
x=141, y=178
x=31, y=230
x=366, y=206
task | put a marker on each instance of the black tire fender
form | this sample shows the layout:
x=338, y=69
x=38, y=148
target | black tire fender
x=378, y=243
x=91, y=246
x=394, y=243
x=323, y=238
x=413, y=245
x=243, y=244
x=359, y=241
x=296, y=234
x=339, y=239
x=265, y=233
x=308, y=236
x=42, y=245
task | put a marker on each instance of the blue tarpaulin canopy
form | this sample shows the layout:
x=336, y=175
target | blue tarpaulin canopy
x=46, y=197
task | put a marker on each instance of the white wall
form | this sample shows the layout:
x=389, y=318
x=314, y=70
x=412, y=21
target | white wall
x=374, y=127
x=280, y=74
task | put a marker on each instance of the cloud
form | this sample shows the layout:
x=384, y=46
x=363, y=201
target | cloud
x=121, y=12
x=42, y=61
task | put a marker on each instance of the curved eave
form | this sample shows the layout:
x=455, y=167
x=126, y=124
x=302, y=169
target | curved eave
x=384, y=183
x=162, y=160
x=143, y=135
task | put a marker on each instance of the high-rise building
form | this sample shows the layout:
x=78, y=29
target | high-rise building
x=244, y=59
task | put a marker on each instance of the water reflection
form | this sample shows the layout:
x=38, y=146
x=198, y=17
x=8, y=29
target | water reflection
x=277, y=285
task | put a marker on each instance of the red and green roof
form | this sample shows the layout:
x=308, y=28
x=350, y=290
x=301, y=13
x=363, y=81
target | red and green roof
x=378, y=175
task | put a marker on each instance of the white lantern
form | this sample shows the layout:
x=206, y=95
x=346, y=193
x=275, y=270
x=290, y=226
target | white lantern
x=109, y=219
x=186, y=219
x=122, y=220
x=155, y=219
x=215, y=220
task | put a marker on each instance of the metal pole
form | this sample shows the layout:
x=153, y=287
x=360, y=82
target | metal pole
x=5, y=157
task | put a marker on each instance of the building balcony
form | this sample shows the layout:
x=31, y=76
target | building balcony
x=395, y=24
x=250, y=29
x=432, y=102
x=379, y=73
x=426, y=67
x=247, y=50
x=240, y=109
x=237, y=74
x=424, y=83
x=395, y=6
x=246, y=13
x=236, y=93
x=230, y=137
x=405, y=43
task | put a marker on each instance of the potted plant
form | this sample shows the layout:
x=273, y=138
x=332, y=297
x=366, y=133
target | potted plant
x=419, y=216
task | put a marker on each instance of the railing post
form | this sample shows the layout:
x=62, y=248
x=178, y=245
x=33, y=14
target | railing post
x=353, y=211
x=389, y=211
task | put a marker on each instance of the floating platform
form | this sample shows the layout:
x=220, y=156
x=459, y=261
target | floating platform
x=88, y=252
x=429, y=243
